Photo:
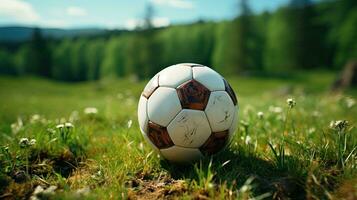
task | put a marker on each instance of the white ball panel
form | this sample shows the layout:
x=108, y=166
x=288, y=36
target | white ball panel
x=163, y=106
x=190, y=128
x=181, y=154
x=175, y=75
x=209, y=78
x=151, y=86
x=234, y=125
x=220, y=111
x=142, y=114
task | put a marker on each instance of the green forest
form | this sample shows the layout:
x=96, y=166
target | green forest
x=300, y=36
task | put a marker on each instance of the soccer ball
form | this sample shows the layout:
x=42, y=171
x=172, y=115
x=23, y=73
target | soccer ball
x=187, y=111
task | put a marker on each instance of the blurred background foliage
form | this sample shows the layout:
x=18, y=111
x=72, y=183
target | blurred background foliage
x=303, y=35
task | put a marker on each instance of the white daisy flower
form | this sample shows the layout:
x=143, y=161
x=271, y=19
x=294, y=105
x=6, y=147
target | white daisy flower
x=24, y=142
x=68, y=125
x=90, y=111
x=32, y=142
x=129, y=123
x=60, y=126
x=291, y=102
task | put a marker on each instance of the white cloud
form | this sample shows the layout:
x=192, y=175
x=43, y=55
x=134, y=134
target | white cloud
x=19, y=10
x=76, y=11
x=183, y=4
x=133, y=23
x=156, y=21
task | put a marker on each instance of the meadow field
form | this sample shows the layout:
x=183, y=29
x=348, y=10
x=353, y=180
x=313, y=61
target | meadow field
x=81, y=140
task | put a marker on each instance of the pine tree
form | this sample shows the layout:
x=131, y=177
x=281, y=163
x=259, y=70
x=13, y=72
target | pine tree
x=240, y=52
x=342, y=17
x=150, y=46
x=40, y=59
x=307, y=35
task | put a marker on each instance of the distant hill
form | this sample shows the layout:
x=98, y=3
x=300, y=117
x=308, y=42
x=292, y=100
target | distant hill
x=20, y=34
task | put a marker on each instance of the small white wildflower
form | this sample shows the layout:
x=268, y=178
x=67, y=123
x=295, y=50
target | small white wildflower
x=260, y=115
x=248, y=139
x=350, y=102
x=90, y=111
x=32, y=142
x=311, y=130
x=14, y=128
x=244, y=123
x=332, y=124
x=35, y=118
x=129, y=123
x=60, y=126
x=17, y=126
x=24, y=142
x=141, y=146
x=68, y=125
x=339, y=125
x=74, y=116
x=291, y=102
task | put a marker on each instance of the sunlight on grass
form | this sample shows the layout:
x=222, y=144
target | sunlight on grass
x=88, y=143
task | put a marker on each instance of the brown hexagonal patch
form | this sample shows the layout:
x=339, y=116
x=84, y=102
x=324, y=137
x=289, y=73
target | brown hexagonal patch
x=193, y=95
x=230, y=91
x=215, y=142
x=159, y=136
x=152, y=85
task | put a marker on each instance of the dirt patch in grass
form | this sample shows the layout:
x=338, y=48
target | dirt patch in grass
x=286, y=188
x=17, y=191
x=42, y=163
x=88, y=174
x=18, y=184
x=143, y=187
x=347, y=190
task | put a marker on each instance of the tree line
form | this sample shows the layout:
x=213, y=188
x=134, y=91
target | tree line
x=301, y=35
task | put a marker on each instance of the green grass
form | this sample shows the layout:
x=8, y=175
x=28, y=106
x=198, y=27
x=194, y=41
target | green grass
x=287, y=153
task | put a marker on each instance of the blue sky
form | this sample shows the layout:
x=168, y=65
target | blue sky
x=120, y=13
